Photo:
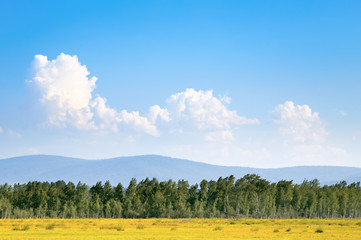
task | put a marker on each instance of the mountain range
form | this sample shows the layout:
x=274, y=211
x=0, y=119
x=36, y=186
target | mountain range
x=122, y=169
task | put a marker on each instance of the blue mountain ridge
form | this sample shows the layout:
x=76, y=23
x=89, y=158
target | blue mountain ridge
x=122, y=169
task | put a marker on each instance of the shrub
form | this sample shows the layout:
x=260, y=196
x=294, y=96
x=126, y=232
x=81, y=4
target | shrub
x=140, y=226
x=288, y=230
x=319, y=230
x=24, y=228
x=218, y=228
x=120, y=227
x=16, y=228
x=156, y=222
x=50, y=226
x=276, y=230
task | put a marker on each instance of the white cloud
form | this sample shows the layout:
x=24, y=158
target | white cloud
x=203, y=110
x=67, y=91
x=156, y=111
x=108, y=117
x=226, y=99
x=299, y=124
x=306, y=138
x=138, y=122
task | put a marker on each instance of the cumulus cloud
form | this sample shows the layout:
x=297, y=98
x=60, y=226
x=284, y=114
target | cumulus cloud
x=299, y=124
x=108, y=117
x=203, y=110
x=67, y=90
x=158, y=112
x=139, y=122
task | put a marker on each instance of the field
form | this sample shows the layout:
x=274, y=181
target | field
x=180, y=229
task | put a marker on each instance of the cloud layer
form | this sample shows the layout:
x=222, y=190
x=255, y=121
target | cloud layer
x=67, y=91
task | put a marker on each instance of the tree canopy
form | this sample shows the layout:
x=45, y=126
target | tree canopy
x=249, y=196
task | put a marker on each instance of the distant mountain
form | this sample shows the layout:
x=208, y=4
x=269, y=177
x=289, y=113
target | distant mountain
x=123, y=169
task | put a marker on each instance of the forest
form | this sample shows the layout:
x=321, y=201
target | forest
x=247, y=197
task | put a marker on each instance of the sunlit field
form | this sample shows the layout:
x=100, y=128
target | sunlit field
x=180, y=229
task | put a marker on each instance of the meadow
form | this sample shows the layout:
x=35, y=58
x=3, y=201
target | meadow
x=180, y=229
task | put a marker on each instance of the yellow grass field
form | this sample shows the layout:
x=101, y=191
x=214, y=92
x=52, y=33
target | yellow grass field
x=180, y=229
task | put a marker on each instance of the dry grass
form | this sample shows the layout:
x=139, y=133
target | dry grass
x=31, y=229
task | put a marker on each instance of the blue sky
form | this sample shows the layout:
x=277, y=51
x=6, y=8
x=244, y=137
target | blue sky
x=246, y=83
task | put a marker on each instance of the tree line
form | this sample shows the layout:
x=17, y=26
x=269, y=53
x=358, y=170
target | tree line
x=249, y=196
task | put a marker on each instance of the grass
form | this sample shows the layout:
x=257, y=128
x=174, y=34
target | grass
x=56, y=229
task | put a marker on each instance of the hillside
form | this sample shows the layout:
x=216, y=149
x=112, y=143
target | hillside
x=122, y=169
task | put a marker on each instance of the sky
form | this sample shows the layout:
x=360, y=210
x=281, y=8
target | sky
x=238, y=83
